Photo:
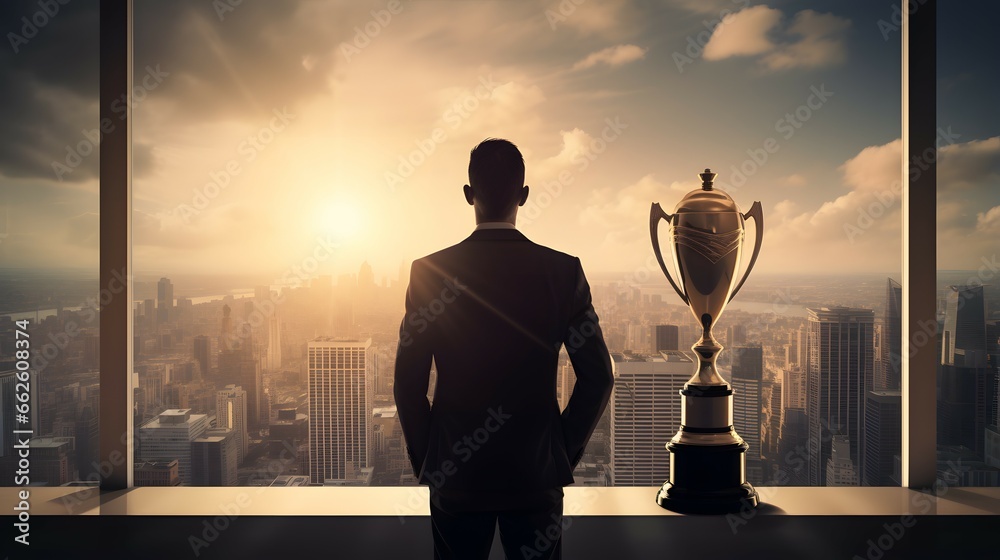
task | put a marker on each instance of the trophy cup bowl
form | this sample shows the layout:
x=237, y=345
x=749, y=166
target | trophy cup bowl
x=707, y=456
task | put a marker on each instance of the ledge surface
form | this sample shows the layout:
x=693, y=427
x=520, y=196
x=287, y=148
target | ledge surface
x=413, y=501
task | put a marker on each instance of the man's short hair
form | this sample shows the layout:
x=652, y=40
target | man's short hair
x=496, y=171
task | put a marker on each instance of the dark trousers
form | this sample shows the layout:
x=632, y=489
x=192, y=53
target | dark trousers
x=525, y=534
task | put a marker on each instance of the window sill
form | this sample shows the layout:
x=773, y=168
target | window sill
x=413, y=501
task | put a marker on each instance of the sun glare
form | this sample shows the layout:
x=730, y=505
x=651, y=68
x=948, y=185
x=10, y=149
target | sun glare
x=341, y=219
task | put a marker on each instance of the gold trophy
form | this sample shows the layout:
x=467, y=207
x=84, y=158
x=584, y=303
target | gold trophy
x=707, y=456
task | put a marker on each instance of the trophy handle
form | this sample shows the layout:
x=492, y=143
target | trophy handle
x=757, y=213
x=655, y=213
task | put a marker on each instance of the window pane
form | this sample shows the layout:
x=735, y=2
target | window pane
x=968, y=248
x=49, y=254
x=293, y=158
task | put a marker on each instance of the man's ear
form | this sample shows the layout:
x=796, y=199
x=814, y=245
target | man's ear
x=524, y=195
x=469, y=197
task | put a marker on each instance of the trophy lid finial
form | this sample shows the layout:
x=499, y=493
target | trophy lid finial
x=707, y=178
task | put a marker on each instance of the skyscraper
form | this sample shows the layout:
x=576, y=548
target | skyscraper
x=341, y=390
x=888, y=372
x=793, y=388
x=273, y=342
x=213, y=458
x=736, y=335
x=666, y=338
x=839, y=373
x=164, y=300
x=231, y=413
x=202, y=351
x=169, y=436
x=963, y=339
x=746, y=379
x=646, y=413
x=840, y=468
x=883, y=437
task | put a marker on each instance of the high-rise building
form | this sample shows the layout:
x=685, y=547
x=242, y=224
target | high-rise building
x=793, y=388
x=239, y=365
x=890, y=340
x=746, y=378
x=227, y=334
x=53, y=460
x=202, y=353
x=149, y=312
x=965, y=406
x=667, y=338
x=273, y=342
x=645, y=414
x=164, y=300
x=168, y=436
x=213, y=458
x=231, y=412
x=840, y=469
x=736, y=335
x=883, y=437
x=341, y=391
x=793, y=448
x=839, y=374
x=963, y=339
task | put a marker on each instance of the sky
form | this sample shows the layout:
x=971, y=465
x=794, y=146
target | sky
x=268, y=132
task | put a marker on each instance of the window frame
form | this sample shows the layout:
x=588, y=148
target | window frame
x=919, y=206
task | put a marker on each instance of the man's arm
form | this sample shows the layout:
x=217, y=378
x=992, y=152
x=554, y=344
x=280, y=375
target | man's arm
x=594, y=378
x=412, y=375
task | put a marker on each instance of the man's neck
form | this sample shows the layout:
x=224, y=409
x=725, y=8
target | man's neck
x=494, y=225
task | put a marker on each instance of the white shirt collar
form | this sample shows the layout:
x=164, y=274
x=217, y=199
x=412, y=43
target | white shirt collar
x=495, y=225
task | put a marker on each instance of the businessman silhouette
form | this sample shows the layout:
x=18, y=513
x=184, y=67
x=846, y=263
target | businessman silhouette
x=492, y=313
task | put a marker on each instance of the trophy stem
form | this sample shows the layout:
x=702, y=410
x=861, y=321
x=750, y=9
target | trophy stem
x=707, y=349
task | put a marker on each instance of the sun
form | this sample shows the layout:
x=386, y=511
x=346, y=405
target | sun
x=341, y=219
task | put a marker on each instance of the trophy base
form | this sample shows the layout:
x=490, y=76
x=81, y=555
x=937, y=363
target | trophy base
x=707, y=479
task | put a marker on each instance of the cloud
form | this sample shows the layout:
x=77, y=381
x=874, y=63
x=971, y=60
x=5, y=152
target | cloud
x=612, y=56
x=793, y=180
x=875, y=168
x=623, y=212
x=743, y=33
x=607, y=18
x=969, y=163
x=989, y=222
x=811, y=40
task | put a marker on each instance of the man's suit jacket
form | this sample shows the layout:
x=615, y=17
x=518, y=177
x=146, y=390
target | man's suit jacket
x=492, y=312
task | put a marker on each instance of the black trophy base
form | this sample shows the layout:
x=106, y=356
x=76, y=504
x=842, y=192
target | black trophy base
x=707, y=479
